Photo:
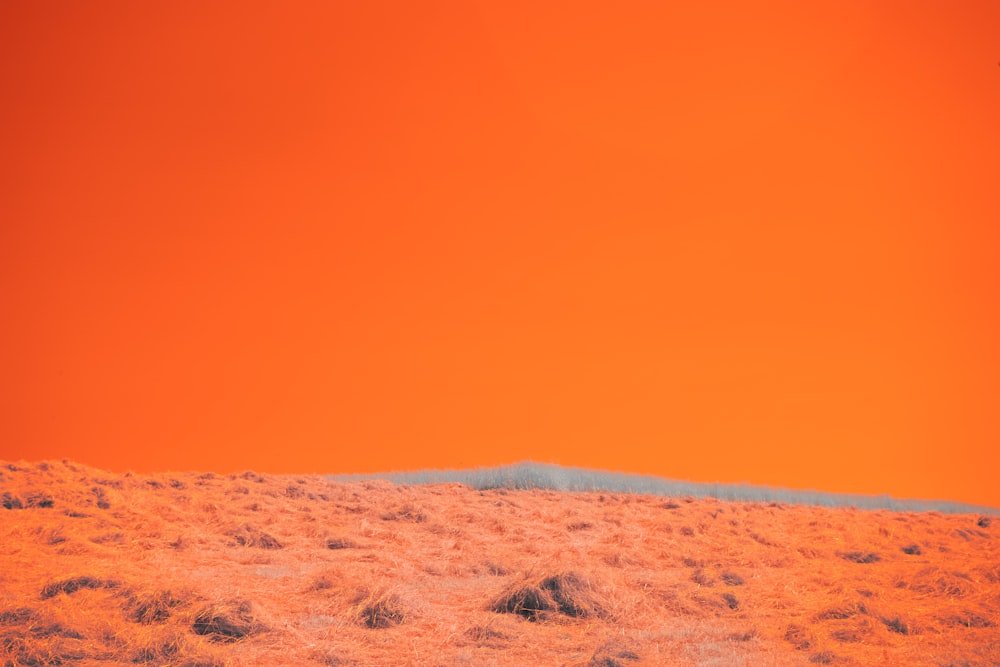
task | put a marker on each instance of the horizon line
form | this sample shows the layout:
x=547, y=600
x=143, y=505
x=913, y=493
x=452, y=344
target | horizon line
x=529, y=475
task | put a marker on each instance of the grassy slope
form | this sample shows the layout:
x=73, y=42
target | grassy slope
x=246, y=569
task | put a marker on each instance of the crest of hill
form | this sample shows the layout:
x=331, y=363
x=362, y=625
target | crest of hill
x=547, y=476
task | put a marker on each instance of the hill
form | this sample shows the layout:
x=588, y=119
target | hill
x=247, y=569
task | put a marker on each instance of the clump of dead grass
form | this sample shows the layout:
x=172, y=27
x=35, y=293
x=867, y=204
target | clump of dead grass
x=152, y=607
x=336, y=543
x=405, y=512
x=539, y=597
x=74, y=584
x=967, y=619
x=34, y=637
x=18, y=615
x=377, y=608
x=329, y=658
x=227, y=622
x=900, y=625
x=485, y=634
x=731, y=579
x=101, y=498
x=850, y=635
x=166, y=647
x=934, y=581
x=702, y=578
x=248, y=536
x=11, y=502
x=492, y=568
x=800, y=637
x=841, y=611
x=614, y=653
x=50, y=535
x=861, y=557
x=321, y=583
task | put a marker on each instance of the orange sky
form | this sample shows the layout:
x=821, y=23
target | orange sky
x=711, y=241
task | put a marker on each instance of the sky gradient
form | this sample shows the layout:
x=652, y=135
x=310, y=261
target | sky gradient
x=717, y=242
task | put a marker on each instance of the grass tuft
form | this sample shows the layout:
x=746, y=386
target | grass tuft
x=11, y=502
x=732, y=579
x=38, y=499
x=74, y=584
x=841, y=612
x=535, y=598
x=799, y=637
x=377, y=609
x=860, y=557
x=967, y=619
x=248, y=536
x=18, y=616
x=614, y=653
x=340, y=543
x=227, y=623
x=154, y=607
x=405, y=513
x=486, y=635
x=899, y=626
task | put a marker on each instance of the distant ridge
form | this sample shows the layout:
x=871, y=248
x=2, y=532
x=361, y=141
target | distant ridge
x=531, y=475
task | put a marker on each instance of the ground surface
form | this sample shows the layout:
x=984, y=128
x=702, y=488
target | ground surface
x=206, y=569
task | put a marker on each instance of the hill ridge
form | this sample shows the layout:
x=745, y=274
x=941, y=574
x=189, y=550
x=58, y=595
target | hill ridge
x=555, y=477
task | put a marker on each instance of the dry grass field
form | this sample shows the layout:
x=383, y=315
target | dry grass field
x=207, y=569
